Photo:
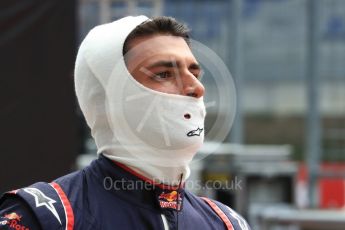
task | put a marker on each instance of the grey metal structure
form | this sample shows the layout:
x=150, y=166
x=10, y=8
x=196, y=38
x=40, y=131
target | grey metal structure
x=313, y=117
x=237, y=132
x=263, y=174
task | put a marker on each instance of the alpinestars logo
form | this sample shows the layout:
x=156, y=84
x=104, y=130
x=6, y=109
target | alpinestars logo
x=43, y=200
x=195, y=132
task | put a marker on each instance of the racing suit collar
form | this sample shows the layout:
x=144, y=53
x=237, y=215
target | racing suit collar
x=132, y=187
x=148, y=180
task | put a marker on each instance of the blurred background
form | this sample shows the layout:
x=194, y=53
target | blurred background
x=287, y=57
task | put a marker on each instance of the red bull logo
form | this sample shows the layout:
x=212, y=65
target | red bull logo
x=172, y=196
x=13, y=216
x=169, y=200
x=13, y=221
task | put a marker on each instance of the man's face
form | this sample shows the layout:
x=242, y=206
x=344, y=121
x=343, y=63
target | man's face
x=165, y=63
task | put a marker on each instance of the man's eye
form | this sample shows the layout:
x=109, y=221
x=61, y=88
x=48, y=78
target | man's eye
x=162, y=76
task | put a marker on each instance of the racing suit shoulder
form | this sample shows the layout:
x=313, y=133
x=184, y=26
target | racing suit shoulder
x=47, y=202
x=61, y=204
x=217, y=211
x=77, y=187
x=237, y=221
x=241, y=221
x=15, y=213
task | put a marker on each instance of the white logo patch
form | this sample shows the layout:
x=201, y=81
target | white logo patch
x=43, y=200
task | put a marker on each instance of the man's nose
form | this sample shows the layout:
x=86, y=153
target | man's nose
x=191, y=86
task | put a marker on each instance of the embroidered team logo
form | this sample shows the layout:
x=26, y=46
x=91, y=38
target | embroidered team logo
x=13, y=216
x=42, y=200
x=170, y=200
x=195, y=132
x=12, y=220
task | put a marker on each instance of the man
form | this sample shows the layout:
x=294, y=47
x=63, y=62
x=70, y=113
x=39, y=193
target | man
x=137, y=85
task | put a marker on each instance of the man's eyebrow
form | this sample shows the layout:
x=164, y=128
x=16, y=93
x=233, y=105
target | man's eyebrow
x=171, y=64
x=168, y=64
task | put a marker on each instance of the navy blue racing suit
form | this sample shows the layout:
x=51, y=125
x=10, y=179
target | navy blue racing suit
x=107, y=195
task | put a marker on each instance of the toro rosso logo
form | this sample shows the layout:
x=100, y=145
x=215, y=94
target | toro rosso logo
x=170, y=200
x=13, y=221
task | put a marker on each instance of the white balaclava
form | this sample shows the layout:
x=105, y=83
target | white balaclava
x=155, y=134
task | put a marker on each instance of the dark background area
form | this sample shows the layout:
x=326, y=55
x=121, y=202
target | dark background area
x=39, y=125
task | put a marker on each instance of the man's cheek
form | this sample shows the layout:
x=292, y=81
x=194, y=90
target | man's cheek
x=171, y=87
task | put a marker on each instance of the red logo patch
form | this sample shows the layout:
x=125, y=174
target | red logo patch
x=13, y=216
x=170, y=200
x=15, y=225
x=13, y=221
